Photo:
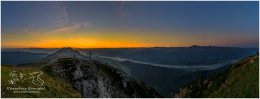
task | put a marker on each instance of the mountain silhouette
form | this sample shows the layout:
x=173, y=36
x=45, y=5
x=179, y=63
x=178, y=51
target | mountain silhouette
x=66, y=52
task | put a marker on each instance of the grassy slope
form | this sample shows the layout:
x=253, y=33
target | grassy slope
x=55, y=87
x=240, y=80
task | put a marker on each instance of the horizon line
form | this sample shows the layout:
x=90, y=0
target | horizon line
x=125, y=47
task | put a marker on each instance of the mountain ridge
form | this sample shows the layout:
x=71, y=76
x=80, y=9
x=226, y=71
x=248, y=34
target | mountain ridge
x=84, y=77
x=239, y=80
x=94, y=79
x=66, y=52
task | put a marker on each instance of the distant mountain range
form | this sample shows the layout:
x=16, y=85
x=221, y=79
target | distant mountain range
x=19, y=57
x=188, y=56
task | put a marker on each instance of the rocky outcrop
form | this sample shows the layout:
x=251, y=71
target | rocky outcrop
x=94, y=79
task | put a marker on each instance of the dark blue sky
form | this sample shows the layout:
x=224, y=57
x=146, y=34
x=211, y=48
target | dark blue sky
x=198, y=22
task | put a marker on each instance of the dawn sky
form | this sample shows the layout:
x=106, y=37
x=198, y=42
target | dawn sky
x=129, y=24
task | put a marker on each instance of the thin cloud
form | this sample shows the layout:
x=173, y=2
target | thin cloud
x=87, y=24
x=121, y=11
x=72, y=28
x=65, y=13
x=66, y=29
x=62, y=16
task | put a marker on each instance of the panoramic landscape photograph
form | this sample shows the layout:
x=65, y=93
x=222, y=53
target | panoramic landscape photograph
x=130, y=49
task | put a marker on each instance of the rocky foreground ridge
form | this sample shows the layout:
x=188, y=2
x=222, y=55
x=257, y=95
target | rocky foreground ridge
x=94, y=79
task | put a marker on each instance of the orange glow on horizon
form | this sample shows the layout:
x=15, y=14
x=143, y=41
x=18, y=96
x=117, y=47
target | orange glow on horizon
x=109, y=39
x=83, y=43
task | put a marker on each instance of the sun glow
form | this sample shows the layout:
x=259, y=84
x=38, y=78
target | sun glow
x=84, y=43
x=76, y=40
x=71, y=37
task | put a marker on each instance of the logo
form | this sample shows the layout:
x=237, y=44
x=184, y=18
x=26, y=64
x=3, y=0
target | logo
x=33, y=77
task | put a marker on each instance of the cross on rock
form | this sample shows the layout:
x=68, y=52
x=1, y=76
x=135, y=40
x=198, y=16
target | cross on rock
x=90, y=53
